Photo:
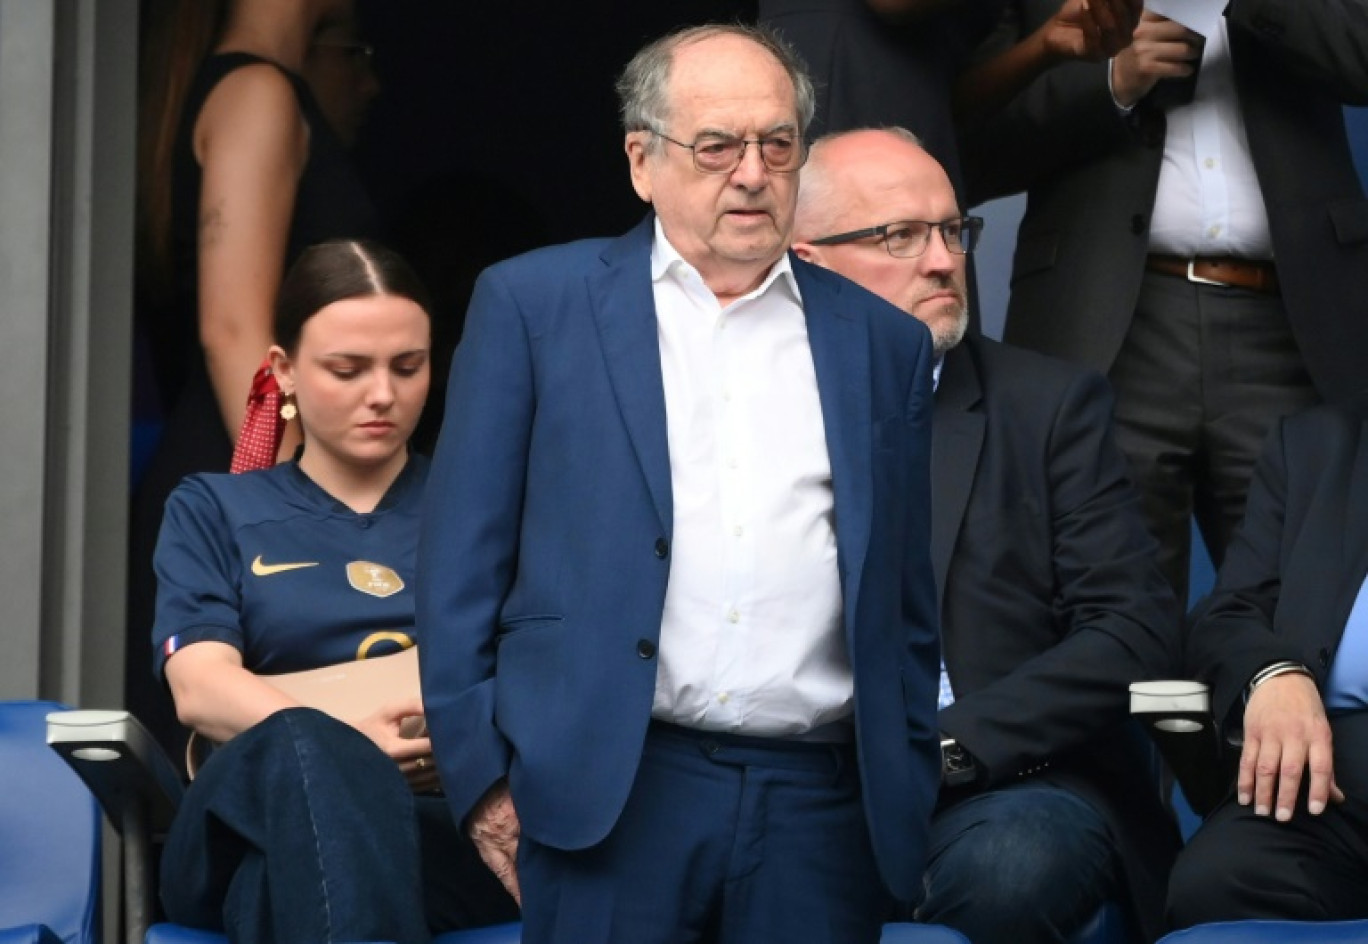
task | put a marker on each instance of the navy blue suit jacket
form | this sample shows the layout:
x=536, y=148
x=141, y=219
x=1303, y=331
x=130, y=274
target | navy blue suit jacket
x=546, y=544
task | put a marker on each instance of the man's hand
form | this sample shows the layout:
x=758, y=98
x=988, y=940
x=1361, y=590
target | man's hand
x=1285, y=734
x=1160, y=49
x=494, y=829
x=1091, y=30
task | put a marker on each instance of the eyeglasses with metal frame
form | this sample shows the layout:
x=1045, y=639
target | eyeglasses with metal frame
x=906, y=239
x=722, y=153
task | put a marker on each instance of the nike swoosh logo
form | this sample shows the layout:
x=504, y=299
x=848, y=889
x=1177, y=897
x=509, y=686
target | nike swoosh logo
x=265, y=570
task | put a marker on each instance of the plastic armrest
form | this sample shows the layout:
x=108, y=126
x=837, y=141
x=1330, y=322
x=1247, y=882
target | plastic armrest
x=1177, y=715
x=134, y=782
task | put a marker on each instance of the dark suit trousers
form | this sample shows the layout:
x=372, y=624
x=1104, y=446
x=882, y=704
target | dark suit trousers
x=1203, y=373
x=724, y=840
x=1312, y=868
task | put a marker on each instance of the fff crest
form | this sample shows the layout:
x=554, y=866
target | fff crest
x=375, y=579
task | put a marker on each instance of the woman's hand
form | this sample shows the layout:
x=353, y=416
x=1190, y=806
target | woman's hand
x=397, y=729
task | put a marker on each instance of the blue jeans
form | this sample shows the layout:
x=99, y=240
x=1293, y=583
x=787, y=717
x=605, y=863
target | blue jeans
x=301, y=831
x=1021, y=864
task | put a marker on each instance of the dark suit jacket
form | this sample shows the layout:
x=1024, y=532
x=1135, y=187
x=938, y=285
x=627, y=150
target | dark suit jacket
x=1092, y=175
x=1295, y=566
x=1051, y=602
x=869, y=72
x=546, y=544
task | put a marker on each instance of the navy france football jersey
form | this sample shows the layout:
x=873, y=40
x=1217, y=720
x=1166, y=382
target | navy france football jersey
x=273, y=565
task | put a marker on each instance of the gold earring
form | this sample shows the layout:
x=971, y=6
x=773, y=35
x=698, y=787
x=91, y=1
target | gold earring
x=288, y=410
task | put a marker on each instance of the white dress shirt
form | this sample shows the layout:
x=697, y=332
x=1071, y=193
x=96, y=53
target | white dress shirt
x=1208, y=202
x=751, y=637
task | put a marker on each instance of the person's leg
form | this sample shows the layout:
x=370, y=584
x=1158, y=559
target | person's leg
x=1252, y=373
x=723, y=840
x=657, y=877
x=1024, y=864
x=1240, y=866
x=1312, y=868
x=1158, y=412
x=279, y=837
x=802, y=866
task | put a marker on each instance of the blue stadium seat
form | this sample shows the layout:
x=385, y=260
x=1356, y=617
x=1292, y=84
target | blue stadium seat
x=173, y=934
x=1272, y=932
x=49, y=838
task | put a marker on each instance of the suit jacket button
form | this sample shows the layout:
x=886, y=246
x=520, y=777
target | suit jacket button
x=645, y=648
x=662, y=548
x=1138, y=224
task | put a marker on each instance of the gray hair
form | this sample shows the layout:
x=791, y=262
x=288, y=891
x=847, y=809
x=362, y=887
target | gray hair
x=643, y=88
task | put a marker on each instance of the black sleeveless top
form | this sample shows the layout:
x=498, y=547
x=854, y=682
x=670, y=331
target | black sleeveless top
x=330, y=203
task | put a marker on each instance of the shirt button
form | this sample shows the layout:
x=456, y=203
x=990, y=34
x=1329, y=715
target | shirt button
x=1214, y=231
x=738, y=531
x=662, y=548
x=732, y=463
x=645, y=648
x=733, y=616
x=364, y=523
x=1209, y=163
x=722, y=697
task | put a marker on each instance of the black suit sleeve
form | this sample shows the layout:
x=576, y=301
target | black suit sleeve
x=1323, y=41
x=1233, y=635
x=1117, y=616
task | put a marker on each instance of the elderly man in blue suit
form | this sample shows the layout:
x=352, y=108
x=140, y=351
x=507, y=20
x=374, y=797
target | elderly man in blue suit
x=677, y=613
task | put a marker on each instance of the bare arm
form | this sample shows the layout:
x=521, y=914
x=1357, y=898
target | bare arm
x=252, y=143
x=215, y=695
x=1085, y=30
x=219, y=698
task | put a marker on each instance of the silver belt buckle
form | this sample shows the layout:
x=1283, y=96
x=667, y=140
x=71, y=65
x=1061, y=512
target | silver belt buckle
x=1194, y=277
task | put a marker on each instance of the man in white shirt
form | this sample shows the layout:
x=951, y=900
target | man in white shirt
x=1197, y=231
x=679, y=645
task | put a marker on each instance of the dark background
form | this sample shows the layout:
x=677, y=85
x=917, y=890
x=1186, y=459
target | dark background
x=502, y=114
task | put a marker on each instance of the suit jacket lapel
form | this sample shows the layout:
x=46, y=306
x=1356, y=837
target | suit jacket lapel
x=624, y=309
x=956, y=442
x=840, y=357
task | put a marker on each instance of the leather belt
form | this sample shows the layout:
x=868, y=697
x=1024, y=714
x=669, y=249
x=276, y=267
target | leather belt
x=1257, y=275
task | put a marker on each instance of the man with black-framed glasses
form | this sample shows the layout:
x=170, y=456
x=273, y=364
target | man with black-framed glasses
x=1050, y=598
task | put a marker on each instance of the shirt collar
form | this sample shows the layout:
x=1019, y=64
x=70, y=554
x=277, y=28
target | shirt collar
x=666, y=261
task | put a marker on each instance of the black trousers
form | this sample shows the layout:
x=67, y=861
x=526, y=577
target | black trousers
x=1311, y=868
x=1201, y=377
